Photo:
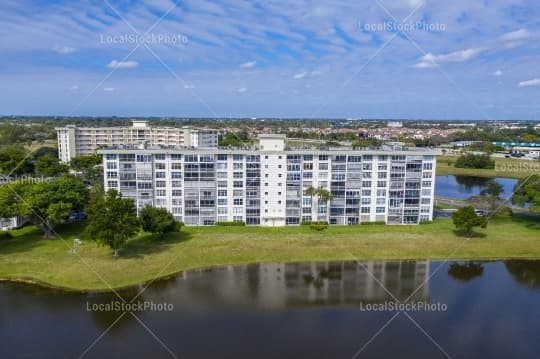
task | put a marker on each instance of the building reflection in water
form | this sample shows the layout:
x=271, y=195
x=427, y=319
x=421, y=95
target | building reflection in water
x=278, y=285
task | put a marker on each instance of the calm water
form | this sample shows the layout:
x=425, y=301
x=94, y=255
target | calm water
x=464, y=187
x=301, y=310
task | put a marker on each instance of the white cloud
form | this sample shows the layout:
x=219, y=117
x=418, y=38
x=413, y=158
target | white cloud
x=108, y=89
x=430, y=60
x=533, y=82
x=300, y=75
x=65, y=50
x=74, y=88
x=189, y=86
x=498, y=73
x=519, y=35
x=241, y=90
x=114, y=64
x=248, y=65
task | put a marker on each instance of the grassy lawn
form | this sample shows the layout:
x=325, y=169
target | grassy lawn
x=27, y=257
x=504, y=167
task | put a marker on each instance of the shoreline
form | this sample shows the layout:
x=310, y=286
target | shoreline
x=31, y=282
x=27, y=258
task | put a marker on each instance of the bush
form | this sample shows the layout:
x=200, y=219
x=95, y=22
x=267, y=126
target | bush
x=376, y=223
x=318, y=226
x=179, y=225
x=475, y=161
x=231, y=224
x=305, y=223
x=5, y=235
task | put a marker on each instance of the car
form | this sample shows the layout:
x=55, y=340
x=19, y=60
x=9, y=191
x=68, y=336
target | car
x=77, y=216
x=479, y=212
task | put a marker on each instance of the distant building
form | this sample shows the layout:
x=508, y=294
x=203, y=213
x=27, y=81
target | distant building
x=75, y=141
x=394, y=124
x=266, y=185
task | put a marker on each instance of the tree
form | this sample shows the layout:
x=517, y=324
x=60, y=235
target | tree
x=88, y=167
x=44, y=204
x=466, y=219
x=49, y=166
x=527, y=192
x=157, y=220
x=112, y=220
x=15, y=161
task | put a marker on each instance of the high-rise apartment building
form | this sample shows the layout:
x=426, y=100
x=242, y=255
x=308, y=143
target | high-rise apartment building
x=267, y=185
x=75, y=141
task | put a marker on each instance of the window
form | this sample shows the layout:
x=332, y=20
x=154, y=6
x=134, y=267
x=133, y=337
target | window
x=160, y=166
x=176, y=184
x=238, y=166
x=160, y=174
x=238, y=184
x=222, y=193
x=222, y=201
x=112, y=174
x=112, y=184
x=111, y=157
x=428, y=166
x=238, y=202
x=160, y=184
x=159, y=157
x=176, y=156
x=161, y=193
x=111, y=165
x=176, y=174
x=222, y=183
x=176, y=193
x=176, y=166
x=238, y=193
x=222, y=157
x=238, y=157
x=238, y=174
x=323, y=157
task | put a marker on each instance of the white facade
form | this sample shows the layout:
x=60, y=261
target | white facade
x=267, y=185
x=75, y=141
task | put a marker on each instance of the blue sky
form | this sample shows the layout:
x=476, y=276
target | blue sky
x=458, y=59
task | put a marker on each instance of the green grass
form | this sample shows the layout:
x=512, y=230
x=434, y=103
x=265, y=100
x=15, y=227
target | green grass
x=504, y=167
x=28, y=257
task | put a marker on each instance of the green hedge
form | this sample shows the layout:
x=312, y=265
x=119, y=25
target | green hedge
x=231, y=224
x=376, y=223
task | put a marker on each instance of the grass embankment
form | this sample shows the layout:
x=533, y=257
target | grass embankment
x=28, y=257
x=504, y=167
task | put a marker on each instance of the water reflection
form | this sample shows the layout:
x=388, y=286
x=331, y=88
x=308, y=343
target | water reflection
x=278, y=285
x=524, y=272
x=465, y=271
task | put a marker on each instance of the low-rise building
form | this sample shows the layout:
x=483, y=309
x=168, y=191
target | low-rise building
x=75, y=141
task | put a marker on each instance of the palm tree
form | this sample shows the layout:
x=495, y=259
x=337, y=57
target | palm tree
x=324, y=196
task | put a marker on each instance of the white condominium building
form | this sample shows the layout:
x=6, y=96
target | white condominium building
x=267, y=185
x=75, y=141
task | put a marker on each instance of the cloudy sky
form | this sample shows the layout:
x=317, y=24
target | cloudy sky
x=430, y=59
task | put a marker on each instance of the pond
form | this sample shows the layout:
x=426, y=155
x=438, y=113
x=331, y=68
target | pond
x=463, y=187
x=296, y=310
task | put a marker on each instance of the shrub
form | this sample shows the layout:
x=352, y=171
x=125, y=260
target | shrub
x=475, y=161
x=5, y=235
x=305, y=223
x=319, y=226
x=376, y=223
x=231, y=224
x=179, y=225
